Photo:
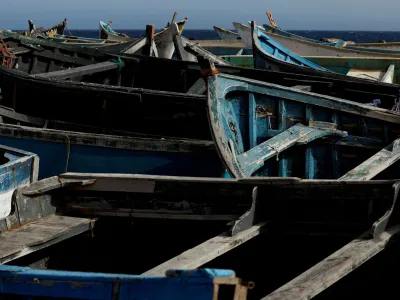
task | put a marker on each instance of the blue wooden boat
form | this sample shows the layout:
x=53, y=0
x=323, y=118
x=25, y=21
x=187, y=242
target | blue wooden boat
x=370, y=47
x=61, y=150
x=107, y=33
x=310, y=48
x=17, y=168
x=271, y=55
x=201, y=284
x=263, y=129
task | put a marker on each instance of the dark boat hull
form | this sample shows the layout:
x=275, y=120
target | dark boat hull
x=130, y=109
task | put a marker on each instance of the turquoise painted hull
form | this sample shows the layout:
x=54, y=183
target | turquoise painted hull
x=60, y=152
x=255, y=126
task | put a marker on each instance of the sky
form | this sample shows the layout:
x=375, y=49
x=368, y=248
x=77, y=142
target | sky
x=203, y=14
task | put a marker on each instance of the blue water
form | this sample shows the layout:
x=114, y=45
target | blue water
x=356, y=36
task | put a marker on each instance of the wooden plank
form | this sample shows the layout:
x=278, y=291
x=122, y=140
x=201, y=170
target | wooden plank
x=389, y=75
x=180, y=51
x=250, y=161
x=99, y=209
x=207, y=251
x=40, y=234
x=375, y=164
x=19, y=50
x=198, y=88
x=8, y=113
x=63, y=57
x=366, y=74
x=232, y=44
x=306, y=88
x=136, y=47
x=79, y=71
x=334, y=267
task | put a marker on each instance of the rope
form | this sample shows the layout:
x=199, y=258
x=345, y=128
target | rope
x=68, y=30
x=119, y=62
x=209, y=72
x=68, y=153
x=7, y=61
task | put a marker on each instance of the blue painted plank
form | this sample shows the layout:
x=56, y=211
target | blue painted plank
x=178, y=284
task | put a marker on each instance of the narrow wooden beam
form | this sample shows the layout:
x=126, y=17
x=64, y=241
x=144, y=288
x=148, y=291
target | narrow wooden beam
x=232, y=44
x=150, y=31
x=389, y=75
x=79, y=71
x=207, y=251
x=306, y=88
x=375, y=164
x=198, y=88
x=334, y=267
x=180, y=51
x=8, y=113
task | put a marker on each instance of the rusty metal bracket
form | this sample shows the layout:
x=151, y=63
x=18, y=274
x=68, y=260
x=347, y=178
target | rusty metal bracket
x=380, y=225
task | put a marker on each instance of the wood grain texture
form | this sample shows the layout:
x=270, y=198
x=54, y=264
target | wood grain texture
x=207, y=251
x=334, y=267
x=40, y=234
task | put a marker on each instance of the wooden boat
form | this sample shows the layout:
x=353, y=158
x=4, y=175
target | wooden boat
x=18, y=168
x=27, y=227
x=265, y=57
x=226, y=34
x=61, y=150
x=379, y=45
x=204, y=284
x=379, y=69
x=163, y=39
x=107, y=33
x=371, y=47
x=33, y=216
x=128, y=47
x=142, y=107
x=114, y=107
x=56, y=29
x=262, y=129
x=187, y=72
x=306, y=48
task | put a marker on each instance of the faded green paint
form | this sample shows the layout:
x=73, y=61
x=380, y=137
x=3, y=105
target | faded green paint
x=244, y=61
x=343, y=65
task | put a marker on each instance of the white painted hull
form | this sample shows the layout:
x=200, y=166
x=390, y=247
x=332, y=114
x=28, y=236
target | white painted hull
x=226, y=34
x=305, y=48
x=244, y=33
x=395, y=46
x=164, y=41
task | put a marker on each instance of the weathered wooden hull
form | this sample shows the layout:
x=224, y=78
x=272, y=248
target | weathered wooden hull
x=284, y=60
x=292, y=132
x=95, y=153
x=367, y=68
x=113, y=48
x=226, y=34
x=164, y=41
x=374, y=47
x=307, y=48
x=296, y=206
